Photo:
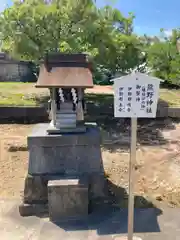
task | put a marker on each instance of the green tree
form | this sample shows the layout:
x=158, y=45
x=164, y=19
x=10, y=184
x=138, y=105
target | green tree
x=31, y=28
x=164, y=58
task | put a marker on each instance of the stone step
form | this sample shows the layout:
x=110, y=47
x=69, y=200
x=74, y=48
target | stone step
x=67, y=199
x=65, y=124
x=65, y=111
x=66, y=119
x=63, y=118
x=66, y=114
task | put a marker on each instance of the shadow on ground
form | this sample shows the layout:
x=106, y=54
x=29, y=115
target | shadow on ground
x=111, y=218
x=116, y=132
x=106, y=219
x=110, y=215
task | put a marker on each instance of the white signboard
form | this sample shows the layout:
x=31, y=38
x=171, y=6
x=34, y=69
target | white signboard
x=136, y=95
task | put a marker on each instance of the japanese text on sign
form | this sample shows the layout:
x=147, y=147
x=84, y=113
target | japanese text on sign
x=136, y=98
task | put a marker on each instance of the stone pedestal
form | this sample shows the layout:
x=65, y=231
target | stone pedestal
x=67, y=199
x=67, y=154
x=62, y=156
x=35, y=190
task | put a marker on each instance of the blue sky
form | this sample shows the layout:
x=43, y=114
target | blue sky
x=151, y=15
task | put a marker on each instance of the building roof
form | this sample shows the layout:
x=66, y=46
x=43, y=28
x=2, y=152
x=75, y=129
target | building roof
x=65, y=70
x=65, y=77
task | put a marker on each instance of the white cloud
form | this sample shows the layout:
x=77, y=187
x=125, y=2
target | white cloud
x=168, y=32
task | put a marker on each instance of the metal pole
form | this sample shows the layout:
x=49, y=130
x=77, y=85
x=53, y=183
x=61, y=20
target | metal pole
x=131, y=178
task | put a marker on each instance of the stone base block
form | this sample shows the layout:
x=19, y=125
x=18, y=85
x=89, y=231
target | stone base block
x=33, y=209
x=35, y=190
x=56, y=130
x=97, y=186
x=67, y=199
x=69, y=154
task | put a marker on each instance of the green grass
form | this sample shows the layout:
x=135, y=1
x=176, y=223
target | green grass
x=167, y=97
x=172, y=97
x=25, y=94
x=17, y=100
x=19, y=94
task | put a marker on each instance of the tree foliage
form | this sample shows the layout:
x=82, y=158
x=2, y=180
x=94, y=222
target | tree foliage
x=164, y=58
x=31, y=28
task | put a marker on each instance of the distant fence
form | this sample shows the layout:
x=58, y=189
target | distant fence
x=16, y=71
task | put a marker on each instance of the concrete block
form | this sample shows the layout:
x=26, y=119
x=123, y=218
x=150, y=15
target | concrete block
x=162, y=112
x=26, y=210
x=97, y=186
x=70, y=154
x=40, y=137
x=67, y=199
x=35, y=189
x=70, y=160
x=174, y=112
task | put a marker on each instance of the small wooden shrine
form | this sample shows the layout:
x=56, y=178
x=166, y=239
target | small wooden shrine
x=67, y=76
x=65, y=171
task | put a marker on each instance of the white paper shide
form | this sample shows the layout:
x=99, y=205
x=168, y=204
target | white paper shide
x=136, y=95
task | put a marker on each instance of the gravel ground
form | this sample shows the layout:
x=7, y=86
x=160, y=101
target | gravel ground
x=157, y=168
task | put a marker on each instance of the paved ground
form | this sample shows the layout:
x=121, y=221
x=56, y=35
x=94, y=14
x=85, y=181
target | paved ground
x=107, y=224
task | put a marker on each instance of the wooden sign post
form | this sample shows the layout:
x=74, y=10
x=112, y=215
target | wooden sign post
x=135, y=96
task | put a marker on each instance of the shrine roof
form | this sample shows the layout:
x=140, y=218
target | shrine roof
x=65, y=70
